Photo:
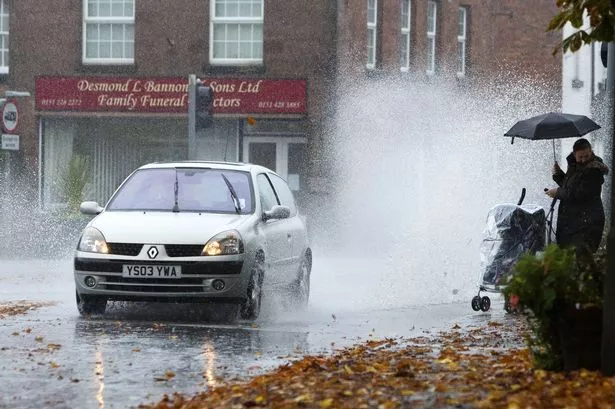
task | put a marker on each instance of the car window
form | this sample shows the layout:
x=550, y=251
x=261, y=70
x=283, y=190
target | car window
x=267, y=194
x=284, y=193
x=198, y=190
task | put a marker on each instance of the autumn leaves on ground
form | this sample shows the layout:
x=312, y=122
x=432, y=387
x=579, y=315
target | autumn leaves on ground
x=19, y=307
x=485, y=366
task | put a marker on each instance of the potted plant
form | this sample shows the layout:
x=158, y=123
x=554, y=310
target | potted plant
x=563, y=305
x=75, y=179
x=70, y=221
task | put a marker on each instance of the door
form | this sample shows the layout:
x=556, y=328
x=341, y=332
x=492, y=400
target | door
x=297, y=232
x=277, y=234
x=286, y=156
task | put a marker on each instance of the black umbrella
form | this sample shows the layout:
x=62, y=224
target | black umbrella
x=553, y=125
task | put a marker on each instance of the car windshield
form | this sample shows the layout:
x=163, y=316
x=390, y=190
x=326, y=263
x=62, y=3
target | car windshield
x=198, y=190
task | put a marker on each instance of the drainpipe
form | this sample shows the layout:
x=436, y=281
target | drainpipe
x=608, y=311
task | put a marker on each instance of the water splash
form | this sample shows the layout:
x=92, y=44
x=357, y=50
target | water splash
x=418, y=165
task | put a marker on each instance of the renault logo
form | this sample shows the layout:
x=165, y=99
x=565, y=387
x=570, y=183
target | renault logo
x=152, y=252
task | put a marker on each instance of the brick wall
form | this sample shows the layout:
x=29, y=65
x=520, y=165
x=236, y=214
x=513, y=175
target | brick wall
x=171, y=39
x=504, y=37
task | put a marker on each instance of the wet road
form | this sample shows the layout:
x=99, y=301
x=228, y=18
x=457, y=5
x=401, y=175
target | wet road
x=53, y=358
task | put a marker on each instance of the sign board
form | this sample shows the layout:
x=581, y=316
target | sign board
x=10, y=142
x=10, y=116
x=168, y=95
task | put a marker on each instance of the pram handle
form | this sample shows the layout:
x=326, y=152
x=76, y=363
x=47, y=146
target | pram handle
x=522, y=197
x=550, y=220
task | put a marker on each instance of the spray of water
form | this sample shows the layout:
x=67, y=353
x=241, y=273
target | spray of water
x=418, y=167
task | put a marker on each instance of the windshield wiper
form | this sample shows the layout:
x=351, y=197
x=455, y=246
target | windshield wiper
x=176, y=189
x=233, y=194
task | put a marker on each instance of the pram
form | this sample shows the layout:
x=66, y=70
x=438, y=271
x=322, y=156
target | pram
x=511, y=231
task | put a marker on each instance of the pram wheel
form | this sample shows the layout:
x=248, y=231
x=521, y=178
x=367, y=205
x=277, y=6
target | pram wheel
x=485, y=303
x=476, y=303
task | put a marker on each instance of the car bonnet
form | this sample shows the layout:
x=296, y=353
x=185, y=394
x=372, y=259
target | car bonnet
x=164, y=227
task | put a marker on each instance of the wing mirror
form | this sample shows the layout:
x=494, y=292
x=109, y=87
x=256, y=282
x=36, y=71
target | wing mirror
x=90, y=208
x=277, y=212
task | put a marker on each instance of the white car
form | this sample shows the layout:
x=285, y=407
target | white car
x=194, y=232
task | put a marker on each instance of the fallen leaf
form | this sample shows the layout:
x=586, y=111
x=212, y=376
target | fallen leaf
x=326, y=403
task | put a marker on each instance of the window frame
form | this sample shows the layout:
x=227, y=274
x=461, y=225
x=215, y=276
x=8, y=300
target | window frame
x=462, y=41
x=405, y=35
x=372, y=33
x=5, y=33
x=213, y=20
x=431, y=37
x=106, y=20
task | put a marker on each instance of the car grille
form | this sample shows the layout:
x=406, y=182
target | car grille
x=124, y=249
x=183, y=250
x=173, y=250
x=183, y=285
x=188, y=267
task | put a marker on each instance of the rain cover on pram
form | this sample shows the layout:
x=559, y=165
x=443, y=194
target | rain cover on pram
x=511, y=231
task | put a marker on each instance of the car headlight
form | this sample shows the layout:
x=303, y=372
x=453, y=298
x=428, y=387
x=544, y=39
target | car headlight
x=93, y=241
x=228, y=242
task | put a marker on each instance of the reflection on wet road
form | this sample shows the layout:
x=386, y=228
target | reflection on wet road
x=137, y=352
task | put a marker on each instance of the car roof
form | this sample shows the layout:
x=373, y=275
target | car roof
x=246, y=167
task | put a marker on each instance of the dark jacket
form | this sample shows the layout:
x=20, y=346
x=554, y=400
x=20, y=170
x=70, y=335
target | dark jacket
x=580, y=217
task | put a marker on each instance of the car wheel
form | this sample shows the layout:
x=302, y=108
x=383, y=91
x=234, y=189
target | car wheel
x=89, y=304
x=300, y=288
x=252, y=306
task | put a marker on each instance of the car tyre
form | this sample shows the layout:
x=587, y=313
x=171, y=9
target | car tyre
x=300, y=288
x=89, y=304
x=251, y=308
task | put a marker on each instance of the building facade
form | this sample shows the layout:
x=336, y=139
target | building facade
x=107, y=79
x=108, y=82
x=464, y=39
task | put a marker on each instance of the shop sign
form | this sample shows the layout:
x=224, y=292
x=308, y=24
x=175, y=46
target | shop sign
x=10, y=142
x=168, y=95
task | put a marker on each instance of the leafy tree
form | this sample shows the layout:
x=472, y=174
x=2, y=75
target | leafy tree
x=601, y=15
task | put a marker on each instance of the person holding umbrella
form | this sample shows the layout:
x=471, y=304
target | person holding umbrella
x=580, y=220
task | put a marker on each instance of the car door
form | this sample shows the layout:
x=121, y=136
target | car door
x=276, y=232
x=296, y=226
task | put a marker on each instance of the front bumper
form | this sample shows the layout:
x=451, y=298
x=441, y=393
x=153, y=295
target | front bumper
x=196, y=282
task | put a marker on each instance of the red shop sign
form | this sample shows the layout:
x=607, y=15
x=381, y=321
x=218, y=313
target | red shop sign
x=168, y=95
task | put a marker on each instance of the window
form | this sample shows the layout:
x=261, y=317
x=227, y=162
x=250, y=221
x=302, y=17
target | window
x=236, y=32
x=108, y=31
x=284, y=194
x=432, y=10
x=4, y=37
x=193, y=189
x=461, y=42
x=267, y=195
x=404, y=50
x=372, y=15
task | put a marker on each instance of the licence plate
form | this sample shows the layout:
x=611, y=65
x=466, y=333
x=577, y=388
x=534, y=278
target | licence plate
x=151, y=271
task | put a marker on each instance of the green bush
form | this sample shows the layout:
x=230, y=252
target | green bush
x=545, y=286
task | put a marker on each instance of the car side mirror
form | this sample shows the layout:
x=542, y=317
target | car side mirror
x=277, y=212
x=90, y=208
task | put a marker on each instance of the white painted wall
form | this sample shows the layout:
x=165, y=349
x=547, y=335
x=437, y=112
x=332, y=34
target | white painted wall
x=579, y=66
